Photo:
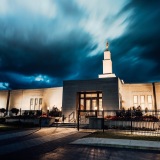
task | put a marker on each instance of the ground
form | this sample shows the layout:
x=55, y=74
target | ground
x=54, y=143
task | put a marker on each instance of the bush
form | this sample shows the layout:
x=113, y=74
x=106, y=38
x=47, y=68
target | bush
x=2, y=110
x=31, y=113
x=26, y=113
x=55, y=112
x=15, y=111
x=38, y=113
x=150, y=118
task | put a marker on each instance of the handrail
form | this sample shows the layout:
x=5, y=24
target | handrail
x=71, y=116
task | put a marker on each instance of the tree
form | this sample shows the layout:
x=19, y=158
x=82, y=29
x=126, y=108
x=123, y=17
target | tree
x=15, y=111
x=55, y=112
x=2, y=110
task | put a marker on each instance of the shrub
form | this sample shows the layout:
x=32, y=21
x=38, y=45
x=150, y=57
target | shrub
x=25, y=113
x=55, y=112
x=31, y=113
x=2, y=110
x=38, y=113
x=15, y=111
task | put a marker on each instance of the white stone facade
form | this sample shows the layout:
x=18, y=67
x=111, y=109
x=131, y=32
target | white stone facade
x=127, y=95
x=33, y=99
x=140, y=95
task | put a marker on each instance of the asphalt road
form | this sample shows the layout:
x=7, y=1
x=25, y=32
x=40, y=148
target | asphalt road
x=55, y=144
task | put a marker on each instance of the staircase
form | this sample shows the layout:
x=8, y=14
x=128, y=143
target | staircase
x=64, y=125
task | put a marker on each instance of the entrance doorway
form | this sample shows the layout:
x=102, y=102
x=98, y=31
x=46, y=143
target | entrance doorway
x=90, y=103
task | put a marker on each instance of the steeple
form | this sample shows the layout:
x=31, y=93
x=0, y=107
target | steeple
x=107, y=64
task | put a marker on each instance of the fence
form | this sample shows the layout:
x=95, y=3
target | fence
x=130, y=120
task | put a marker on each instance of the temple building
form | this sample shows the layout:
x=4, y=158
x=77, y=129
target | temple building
x=107, y=92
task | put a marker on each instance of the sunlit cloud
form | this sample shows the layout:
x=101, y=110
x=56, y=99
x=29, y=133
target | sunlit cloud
x=36, y=8
x=103, y=22
x=4, y=85
x=42, y=78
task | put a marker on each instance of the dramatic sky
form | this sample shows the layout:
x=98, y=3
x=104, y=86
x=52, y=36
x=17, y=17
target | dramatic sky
x=43, y=42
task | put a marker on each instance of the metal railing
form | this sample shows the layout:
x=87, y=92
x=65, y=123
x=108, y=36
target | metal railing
x=129, y=120
x=71, y=117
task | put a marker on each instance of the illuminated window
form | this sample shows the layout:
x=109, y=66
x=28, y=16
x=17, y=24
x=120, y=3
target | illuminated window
x=31, y=101
x=82, y=104
x=149, y=97
x=31, y=104
x=40, y=100
x=135, y=101
x=90, y=100
x=100, y=94
x=90, y=95
x=100, y=104
x=36, y=101
x=94, y=104
x=82, y=95
x=88, y=104
x=142, y=100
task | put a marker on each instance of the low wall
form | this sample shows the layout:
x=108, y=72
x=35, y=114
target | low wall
x=135, y=124
x=34, y=121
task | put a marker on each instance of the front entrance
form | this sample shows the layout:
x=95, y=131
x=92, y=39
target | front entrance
x=90, y=102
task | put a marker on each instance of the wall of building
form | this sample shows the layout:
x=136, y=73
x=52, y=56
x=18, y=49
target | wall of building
x=3, y=99
x=157, y=88
x=128, y=91
x=22, y=98
x=112, y=89
x=53, y=98
x=120, y=89
x=108, y=86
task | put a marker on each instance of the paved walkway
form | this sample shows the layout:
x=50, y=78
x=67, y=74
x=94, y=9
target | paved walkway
x=47, y=139
x=35, y=138
x=120, y=143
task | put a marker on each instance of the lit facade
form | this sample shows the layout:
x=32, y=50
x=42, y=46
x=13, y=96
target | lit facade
x=32, y=99
x=107, y=92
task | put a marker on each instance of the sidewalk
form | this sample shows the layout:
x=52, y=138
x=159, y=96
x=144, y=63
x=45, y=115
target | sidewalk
x=10, y=142
x=119, y=143
x=35, y=138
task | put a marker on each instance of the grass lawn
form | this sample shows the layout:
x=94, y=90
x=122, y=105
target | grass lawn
x=125, y=135
x=4, y=127
x=14, y=127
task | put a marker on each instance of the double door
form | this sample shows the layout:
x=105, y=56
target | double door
x=91, y=104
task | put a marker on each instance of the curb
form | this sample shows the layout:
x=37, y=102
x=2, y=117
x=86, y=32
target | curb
x=119, y=143
x=118, y=146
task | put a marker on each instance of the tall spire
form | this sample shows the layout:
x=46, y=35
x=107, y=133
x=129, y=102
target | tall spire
x=107, y=64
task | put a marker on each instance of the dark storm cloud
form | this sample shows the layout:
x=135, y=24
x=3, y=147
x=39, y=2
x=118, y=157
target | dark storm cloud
x=50, y=59
x=58, y=59
x=137, y=55
x=28, y=52
x=43, y=43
